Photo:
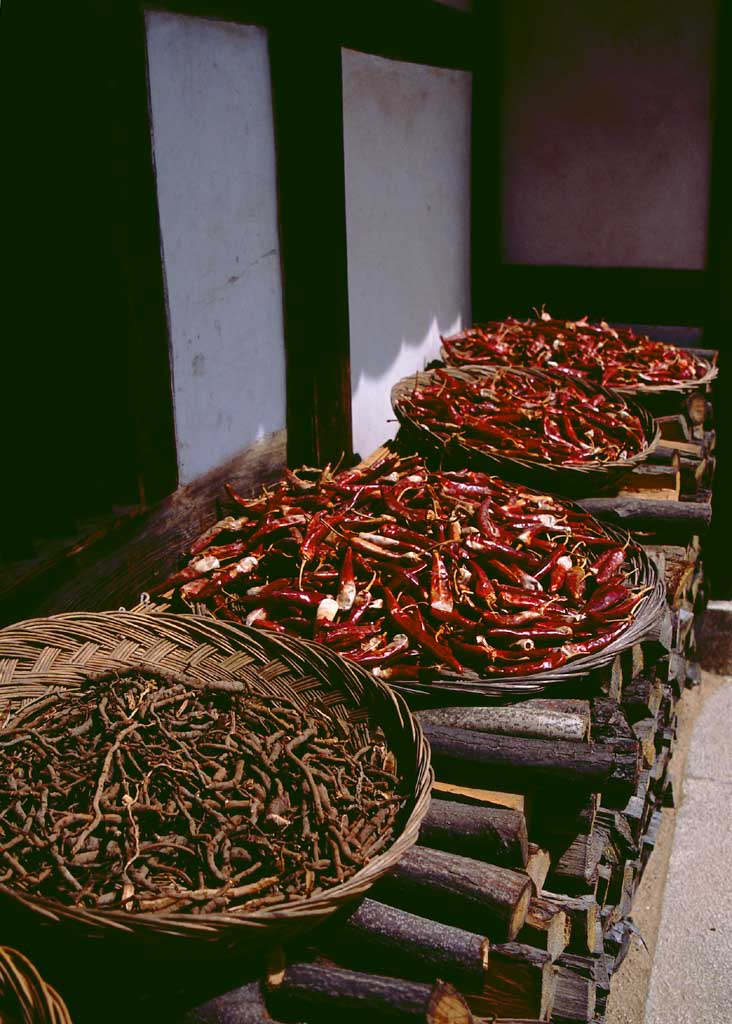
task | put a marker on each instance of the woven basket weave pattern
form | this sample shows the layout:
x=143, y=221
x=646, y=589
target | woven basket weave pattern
x=639, y=390
x=25, y=998
x=45, y=655
x=533, y=471
x=646, y=625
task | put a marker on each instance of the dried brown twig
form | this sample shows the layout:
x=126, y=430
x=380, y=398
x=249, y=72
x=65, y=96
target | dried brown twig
x=151, y=793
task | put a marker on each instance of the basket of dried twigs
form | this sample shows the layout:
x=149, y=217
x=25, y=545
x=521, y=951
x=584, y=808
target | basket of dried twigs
x=540, y=428
x=25, y=998
x=173, y=778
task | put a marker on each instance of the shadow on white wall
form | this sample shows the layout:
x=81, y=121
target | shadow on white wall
x=407, y=159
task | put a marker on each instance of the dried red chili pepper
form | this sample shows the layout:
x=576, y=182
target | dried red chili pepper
x=581, y=350
x=451, y=561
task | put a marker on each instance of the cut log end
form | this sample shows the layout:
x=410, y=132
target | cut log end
x=485, y=952
x=447, y=1006
x=520, y=911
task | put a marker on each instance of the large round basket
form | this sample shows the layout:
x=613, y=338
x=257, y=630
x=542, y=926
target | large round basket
x=448, y=688
x=641, y=391
x=44, y=655
x=588, y=478
x=25, y=998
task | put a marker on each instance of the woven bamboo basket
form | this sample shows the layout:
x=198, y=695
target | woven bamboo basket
x=450, y=688
x=25, y=998
x=639, y=390
x=589, y=478
x=57, y=653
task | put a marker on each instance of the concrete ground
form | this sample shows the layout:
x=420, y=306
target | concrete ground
x=683, y=908
x=691, y=980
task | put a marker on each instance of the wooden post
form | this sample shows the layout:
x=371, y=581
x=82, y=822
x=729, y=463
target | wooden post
x=308, y=111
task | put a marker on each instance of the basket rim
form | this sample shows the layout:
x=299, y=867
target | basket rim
x=295, y=910
x=17, y=964
x=680, y=387
x=645, y=626
x=588, y=470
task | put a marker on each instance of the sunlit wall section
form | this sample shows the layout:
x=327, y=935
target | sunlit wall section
x=211, y=103
x=407, y=167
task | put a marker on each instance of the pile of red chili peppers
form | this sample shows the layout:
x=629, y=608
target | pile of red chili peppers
x=613, y=357
x=545, y=417
x=416, y=574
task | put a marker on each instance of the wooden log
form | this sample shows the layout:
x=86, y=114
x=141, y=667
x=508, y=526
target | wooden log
x=645, y=731
x=616, y=825
x=320, y=992
x=493, y=834
x=661, y=644
x=560, y=815
x=673, y=428
x=635, y=810
x=547, y=927
x=575, y=998
x=575, y=870
x=243, y=1005
x=386, y=940
x=460, y=891
x=651, y=834
x=685, y=626
x=583, y=914
x=521, y=982
x=604, y=876
x=662, y=456
x=610, y=726
x=642, y=697
x=697, y=408
x=466, y=758
x=680, y=518
x=479, y=797
x=622, y=887
x=677, y=672
x=676, y=433
x=659, y=769
x=542, y=719
x=537, y=865
x=650, y=482
x=591, y=967
x=632, y=661
x=692, y=473
x=607, y=680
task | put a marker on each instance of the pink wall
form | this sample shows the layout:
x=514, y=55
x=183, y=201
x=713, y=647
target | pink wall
x=606, y=132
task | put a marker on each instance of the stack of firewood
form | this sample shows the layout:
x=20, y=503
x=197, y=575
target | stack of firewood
x=515, y=905
x=517, y=897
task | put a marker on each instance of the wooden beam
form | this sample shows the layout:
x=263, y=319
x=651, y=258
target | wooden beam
x=719, y=274
x=620, y=294
x=140, y=245
x=307, y=92
x=141, y=548
x=486, y=192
